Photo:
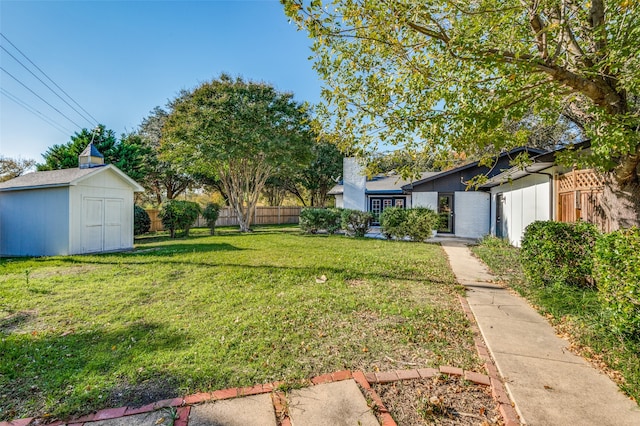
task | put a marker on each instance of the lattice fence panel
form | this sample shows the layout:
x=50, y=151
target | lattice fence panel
x=580, y=180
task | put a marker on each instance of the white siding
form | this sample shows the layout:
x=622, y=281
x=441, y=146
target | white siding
x=108, y=224
x=34, y=222
x=525, y=200
x=339, y=201
x=471, y=214
x=354, y=181
x=425, y=199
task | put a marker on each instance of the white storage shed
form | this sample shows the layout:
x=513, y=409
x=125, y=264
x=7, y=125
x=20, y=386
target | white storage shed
x=69, y=211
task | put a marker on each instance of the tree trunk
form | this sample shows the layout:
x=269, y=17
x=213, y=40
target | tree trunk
x=620, y=204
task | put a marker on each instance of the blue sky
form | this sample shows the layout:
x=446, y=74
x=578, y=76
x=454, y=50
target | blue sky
x=120, y=59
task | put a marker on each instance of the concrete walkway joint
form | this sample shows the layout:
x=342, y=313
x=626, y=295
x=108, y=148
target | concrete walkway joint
x=548, y=384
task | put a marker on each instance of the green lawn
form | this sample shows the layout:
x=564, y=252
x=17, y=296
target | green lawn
x=575, y=312
x=180, y=316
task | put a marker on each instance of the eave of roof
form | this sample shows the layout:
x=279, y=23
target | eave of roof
x=516, y=173
x=540, y=162
x=410, y=186
x=61, y=178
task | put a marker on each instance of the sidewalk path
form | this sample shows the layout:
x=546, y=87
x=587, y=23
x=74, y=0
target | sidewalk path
x=549, y=384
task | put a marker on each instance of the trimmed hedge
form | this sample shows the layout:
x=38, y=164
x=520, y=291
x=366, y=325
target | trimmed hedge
x=355, y=222
x=416, y=223
x=141, y=221
x=420, y=223
x=559, y=253
x=393, y=221
x=617, y=273
x=313, y=220
x=210, y=214
x=178, y=214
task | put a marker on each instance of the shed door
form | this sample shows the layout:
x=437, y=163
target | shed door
x=92, y=224
x=112, y=224
x=102, y=224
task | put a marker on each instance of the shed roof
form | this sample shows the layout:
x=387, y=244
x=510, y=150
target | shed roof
x=92, y=151
x=62, y=178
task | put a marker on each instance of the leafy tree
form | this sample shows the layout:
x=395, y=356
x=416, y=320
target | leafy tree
x=240, y=133
x=128, y=154
x=164, y=180
x=311, y=182
x=65, y=156
x=451, y=75
x=179, y=214
x=322, y=173
x=13, y=167
x=211, y=213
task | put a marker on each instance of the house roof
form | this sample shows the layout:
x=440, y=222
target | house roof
x=540, y=162
x=62, y=178
x=382, y=184
x=439, y=175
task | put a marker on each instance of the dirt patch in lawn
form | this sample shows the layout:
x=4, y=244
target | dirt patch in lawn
x=15, y=321
x=146, y=392
x=442, y=400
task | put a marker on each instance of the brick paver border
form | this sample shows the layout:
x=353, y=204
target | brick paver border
x=364, y=380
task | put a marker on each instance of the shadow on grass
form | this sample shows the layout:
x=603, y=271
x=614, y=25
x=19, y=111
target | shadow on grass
x=76, y=373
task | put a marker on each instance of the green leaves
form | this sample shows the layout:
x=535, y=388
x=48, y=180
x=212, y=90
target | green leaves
x=239, y=133
x=441, y=75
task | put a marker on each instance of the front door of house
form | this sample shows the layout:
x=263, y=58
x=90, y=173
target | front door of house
x=499, y=213
x=445, y=212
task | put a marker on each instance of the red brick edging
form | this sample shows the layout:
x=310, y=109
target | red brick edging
x=183, y=405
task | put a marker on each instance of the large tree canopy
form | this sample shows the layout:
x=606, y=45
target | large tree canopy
x=452, y=74
x=163, y=180
x=240, y=133
x=311, y=182
x=128, y=154
x=13, y=167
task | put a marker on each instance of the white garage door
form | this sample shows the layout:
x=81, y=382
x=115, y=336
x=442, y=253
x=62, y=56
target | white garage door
x=101, y=224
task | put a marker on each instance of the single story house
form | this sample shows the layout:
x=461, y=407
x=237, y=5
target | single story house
x=358, y=192
x=71, y=211
x=510, y=200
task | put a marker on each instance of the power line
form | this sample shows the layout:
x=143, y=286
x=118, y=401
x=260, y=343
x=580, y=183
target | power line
x=47, y=86
x=49, y=78
x=35, y=112
x=41, y=98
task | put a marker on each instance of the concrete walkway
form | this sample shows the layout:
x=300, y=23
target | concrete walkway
x=548, y=384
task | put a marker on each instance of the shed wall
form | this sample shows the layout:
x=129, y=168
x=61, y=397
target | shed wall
x=101, y=214
x=34, y=222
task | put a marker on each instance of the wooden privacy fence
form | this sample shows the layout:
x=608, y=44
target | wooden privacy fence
x=263, y=216
x=579, y=197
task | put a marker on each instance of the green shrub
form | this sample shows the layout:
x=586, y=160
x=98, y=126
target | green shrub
x=393, y=221
x=355, y=222
x=617, y=274
x=558, y=253
x=333, y=220
x=211, y=213
x=176, y=214
x=313, y=220
x=421, y=222
x=141, y=221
